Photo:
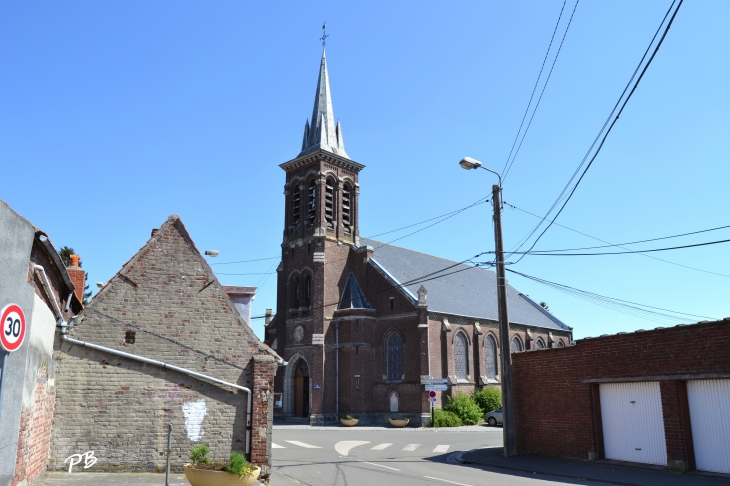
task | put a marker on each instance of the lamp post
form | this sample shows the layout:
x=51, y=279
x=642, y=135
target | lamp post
x=508, y=403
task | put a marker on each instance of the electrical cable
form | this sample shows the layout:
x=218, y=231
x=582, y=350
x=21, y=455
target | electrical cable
x=537, y=105
x=539, y=253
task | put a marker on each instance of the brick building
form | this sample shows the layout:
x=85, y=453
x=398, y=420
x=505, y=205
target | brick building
x=657, y=397
x=33, y=277
x=162, y=343
x=362, y=323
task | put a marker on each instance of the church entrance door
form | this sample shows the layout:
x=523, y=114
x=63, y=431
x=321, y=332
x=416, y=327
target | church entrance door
x=301, y=389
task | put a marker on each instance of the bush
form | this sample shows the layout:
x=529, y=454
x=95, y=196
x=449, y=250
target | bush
x=348, y=417
x=443, y=418
x=238, y=465
x=488, y=399
x=199, y=454
x=465, y=408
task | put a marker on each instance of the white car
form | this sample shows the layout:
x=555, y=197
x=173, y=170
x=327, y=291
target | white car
x=494, y=417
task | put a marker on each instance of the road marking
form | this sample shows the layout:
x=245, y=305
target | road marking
x=343, y=447
x=277, y=446
x=382, y=446
x=302, y=444
x=411, y=447
x=441, y=448
x=379, y=465
x=446, y=481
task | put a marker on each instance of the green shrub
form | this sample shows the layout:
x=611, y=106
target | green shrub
x=488, y=399
x=199, y=455
x=443, y=418
x=348, y=417
x=465, y=408
x=238, y=465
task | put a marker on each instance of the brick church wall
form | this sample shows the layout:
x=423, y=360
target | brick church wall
x=556, y=389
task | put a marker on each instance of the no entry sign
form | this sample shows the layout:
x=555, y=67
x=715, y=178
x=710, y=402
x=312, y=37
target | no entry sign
x=12, y=327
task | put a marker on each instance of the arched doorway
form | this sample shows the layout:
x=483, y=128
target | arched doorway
x=301, y=389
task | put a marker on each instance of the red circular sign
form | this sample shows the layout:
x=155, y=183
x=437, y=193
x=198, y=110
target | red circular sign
x=12, y=327
x=432, y=394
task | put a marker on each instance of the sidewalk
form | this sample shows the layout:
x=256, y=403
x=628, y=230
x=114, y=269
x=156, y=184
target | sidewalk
x=604, y=472
x=118, y=479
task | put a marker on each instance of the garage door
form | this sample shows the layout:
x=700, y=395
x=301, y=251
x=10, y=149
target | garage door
x=709, y=411
x=633, y=423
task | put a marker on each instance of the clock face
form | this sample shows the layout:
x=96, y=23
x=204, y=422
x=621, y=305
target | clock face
x=298, y=333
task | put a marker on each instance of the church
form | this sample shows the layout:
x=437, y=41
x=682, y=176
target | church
x=362, y=323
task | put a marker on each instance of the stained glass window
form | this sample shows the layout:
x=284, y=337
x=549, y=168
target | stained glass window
x=515, y=345
x=491, y=353
x=460, y=357
x=395, y=357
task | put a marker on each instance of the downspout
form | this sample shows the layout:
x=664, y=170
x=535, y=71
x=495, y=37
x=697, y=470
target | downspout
x=63, y=324
x=337, y=369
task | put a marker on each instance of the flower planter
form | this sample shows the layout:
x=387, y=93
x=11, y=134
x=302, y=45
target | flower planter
x=398, y=422
x=202, y=477
x=349, y=422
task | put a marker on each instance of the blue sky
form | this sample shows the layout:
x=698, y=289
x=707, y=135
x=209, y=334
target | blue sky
x=116, y=115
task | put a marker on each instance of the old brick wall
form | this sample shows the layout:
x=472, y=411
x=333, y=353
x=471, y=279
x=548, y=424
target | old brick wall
x=555, y=388
x=165, y=304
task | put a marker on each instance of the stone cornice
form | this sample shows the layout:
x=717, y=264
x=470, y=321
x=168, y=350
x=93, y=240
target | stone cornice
x=323, y=156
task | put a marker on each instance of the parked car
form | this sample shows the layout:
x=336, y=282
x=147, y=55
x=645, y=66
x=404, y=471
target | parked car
x=494, y=417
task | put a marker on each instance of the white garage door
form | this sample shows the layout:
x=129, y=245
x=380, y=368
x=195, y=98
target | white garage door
x=633, y=423
x=709, y=411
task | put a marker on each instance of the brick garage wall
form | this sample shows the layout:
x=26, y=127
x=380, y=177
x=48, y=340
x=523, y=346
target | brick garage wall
x=119, y=408
x=555, y=388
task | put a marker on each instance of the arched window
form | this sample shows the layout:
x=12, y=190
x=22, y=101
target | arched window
x=393, y=399
x=515, y=345
x=461, y=361
x=539, y=344
x=491, y=354
x=329, y=203
x=296, y=209
x=311, y=203
x=307, y=291
x=294, y=292
x=395, y=357
x=560, y=343
x=346, y=204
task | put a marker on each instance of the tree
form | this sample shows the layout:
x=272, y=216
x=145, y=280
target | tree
x=545, y=306
x=65, y=253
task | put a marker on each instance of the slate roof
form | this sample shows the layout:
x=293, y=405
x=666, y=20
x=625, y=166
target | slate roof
x=469, y=293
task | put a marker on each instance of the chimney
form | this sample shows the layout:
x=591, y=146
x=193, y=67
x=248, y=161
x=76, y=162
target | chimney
x=77, y=275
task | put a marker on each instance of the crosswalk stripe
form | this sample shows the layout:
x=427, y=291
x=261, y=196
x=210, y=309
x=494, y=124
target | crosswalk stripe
x=277, y=446
x=382, y=446
x=441, y=448
x=411, y=447
x=303, y=444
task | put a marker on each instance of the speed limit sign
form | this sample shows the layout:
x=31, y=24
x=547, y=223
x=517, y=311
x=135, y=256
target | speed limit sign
x=12, y=327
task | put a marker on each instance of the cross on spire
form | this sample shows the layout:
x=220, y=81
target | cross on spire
x=324, y=34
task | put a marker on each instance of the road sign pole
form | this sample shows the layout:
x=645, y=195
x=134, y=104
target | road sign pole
x=2, y=381
x=433, y=424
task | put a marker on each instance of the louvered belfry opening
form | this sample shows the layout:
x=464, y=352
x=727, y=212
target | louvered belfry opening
x=295, y=209
x=346, y=208
x=329, y=205
x=311, y=203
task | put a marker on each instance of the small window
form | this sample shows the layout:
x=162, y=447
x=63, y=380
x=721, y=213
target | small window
x=515, y=345
x=357, y=324
x=357, y=351
x=308, y=291
x=357, y=382
x=294, y=290
x=392, y=303
x=539, y=344
x=129, y=337
x=560, y=343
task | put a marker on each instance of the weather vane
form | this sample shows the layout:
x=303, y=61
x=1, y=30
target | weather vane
x=324, y=34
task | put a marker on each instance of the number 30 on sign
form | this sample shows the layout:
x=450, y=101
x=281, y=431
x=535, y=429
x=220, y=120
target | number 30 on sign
x=12, y=325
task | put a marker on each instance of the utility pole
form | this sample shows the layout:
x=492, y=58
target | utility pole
x=508, y=399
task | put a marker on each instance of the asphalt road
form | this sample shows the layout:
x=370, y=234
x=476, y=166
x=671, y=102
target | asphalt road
x=402, y=457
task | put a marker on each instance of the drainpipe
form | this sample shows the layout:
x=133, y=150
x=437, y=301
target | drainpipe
x=47, y=285
x=337, y=369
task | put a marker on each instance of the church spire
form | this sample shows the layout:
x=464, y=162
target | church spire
x=321, y=132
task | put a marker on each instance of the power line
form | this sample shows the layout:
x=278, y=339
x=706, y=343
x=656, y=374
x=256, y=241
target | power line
x=540, y=253
x=560, y=47
x=245, y=261
x=627, y=306
x=609, y=244
x=610, y=127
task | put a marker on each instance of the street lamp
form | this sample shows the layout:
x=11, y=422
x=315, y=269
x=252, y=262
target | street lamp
x=211, y=253
x=508, y=403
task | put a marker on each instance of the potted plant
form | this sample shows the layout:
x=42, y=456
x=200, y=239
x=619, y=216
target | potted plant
x=204, y=472
x=349, y=420
x=398, y=422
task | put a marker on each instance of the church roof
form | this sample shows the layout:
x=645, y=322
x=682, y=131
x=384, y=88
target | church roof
x=321, y=132
x=469, y=292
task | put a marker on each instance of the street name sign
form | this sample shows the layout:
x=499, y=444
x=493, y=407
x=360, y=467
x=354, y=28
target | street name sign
x=435, y=381
x=436, y=388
